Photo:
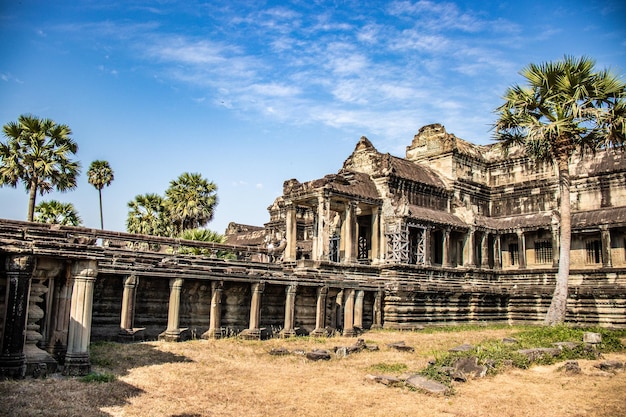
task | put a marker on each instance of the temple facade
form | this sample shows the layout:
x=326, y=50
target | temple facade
x=452, y=204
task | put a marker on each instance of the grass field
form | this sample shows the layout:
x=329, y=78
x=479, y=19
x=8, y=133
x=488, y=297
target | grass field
x=233, y=377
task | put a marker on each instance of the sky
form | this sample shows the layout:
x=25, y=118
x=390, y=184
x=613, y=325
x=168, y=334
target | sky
x=252, y=93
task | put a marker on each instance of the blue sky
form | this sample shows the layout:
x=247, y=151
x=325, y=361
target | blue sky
x=252, y=93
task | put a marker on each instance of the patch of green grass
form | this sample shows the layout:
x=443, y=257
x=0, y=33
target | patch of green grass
x=389, y=368
x=98, y=377
x=100, y=354
x=497, y=355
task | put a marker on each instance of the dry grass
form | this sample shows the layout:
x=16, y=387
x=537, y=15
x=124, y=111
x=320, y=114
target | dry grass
x=239, y=378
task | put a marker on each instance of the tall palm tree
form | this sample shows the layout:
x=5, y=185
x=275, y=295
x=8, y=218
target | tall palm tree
x=190, y=200
x=55, y=212
x=100, y=174
x=38, y=153
x=567, y=107
x=147, y=215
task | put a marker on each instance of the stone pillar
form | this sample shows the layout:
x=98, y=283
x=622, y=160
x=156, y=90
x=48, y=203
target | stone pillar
x=56, y=334
x=555, y=245
x=290, y=250
x=497, y=252
x=79, y=333
x=605, y=239
x=446, y=249
x=470, y=259
x=484, y=250
x=173, y=331
x=19, y=270
x=321, y=241
x=338, y=310
x=290, y=311
x=215, y=320
x=348, y=313
x=358, y=309
x=350, y=233
x=427, y=248
x=128, y=332
x=376, y=258
x=253, y=331
x=38, y=361
x=320, y=312
x=378, y=310
x=521, y=240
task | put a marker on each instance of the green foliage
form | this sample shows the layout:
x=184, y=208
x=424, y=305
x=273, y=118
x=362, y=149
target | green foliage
x=389, y=368
x=204, y=235
x=498, y=355
x=38, y=153
x=98, y=377
x=100, y=174
x=55, y=212
x=188, y=204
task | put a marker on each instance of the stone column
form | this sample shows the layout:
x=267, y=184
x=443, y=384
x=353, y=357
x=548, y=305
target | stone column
x=470, y=260
x=290, y=311
x=320, y=312
x=358, y=309
x=215, y=320
x=555, y=245
x=56, y=334
x=253, y=331
x=427, y=248
x=19, y=270
x=446, y=248
x=497, y=252
x=321, y=241
x=378, y=310
x=350, y=233
x=376, y=258
x=338, y=310
x=484, y=250
x=38, y=361
x=128, y=332
x=521, y=240
x=348, y=313
x=173, y=331
x=605, y=238
x=290, y=250
x=79, y=333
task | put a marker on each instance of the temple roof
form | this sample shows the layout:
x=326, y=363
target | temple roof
x=435, y=216
x=416, y=172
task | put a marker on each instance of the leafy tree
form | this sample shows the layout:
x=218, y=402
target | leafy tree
x=55, y=212
x=100, y=174
x=566, y=107
x=147, y=215
x=190, y=200
x=38, y=153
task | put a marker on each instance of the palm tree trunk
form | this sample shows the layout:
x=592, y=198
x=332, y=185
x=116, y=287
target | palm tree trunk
x=101, y=218
x=558, y=307
x=32, y=196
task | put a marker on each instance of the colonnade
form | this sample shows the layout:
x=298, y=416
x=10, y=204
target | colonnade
x=69, y=315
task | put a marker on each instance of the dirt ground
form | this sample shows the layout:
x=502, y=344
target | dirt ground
x=233, y=377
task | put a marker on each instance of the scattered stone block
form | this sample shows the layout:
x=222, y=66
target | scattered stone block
x=509, y=340
x=318, y=354
x=462, y=348
x=571, y=367
x=566, y=345
x=401, y=346
x=469, y=366
x=535, y=354
x=592, y=338
x=279, y=352
x=424, y=384
x=384, y=379
x=611, y=366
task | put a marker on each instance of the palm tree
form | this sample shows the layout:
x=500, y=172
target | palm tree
x=204, y=235
x=147, y=215
x=38, y=153
x=100, y=174
x=55, y=212
x=190, y=200
x=566, y=107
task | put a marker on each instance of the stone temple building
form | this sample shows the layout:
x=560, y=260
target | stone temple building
x=452, y=204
